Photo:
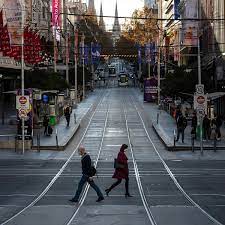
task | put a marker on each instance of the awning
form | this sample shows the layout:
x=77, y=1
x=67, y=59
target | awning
x=215, y=95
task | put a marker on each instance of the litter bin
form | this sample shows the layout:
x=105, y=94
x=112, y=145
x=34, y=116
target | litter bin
x=198, y=132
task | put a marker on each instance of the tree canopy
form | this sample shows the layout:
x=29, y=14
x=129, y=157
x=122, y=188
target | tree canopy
x=142, y=28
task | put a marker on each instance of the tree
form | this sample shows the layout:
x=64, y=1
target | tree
x=142, y=28
x=183, y=82
x=45, y=80
x=125, y=46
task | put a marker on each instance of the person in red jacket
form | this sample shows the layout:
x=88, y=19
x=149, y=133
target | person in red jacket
x=121, y=172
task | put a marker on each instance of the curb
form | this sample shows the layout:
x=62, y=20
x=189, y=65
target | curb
x=60, y=147
x=170, y=147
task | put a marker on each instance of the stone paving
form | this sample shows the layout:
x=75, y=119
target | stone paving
x=165, y=127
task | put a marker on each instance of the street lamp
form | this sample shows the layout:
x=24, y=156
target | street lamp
x=75, y=30
x=83, y=58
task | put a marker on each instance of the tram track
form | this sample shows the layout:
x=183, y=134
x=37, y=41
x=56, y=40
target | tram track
x=83, y=197
x=137, y=175
x=58, y=174
x=136, y=172
x=170, y=173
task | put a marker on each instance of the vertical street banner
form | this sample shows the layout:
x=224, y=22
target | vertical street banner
x=190, y=27
x=13, y=16
x=95, y=53
x=148, y=52
x=84, y=54
x=1, y=29
x=56, y=18
x=152, y=52
x=150, y=89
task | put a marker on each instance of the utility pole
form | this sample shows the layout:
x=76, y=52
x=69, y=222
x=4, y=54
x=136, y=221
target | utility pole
x=55, y=48
x=83, y=62
x=92, y=67
x=149, y=59
x=200, y=75
x=75, y=59
x=22, y=74
x=159, y=50
x=67, y=59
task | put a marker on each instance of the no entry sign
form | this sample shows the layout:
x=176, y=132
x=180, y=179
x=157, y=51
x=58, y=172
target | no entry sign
x=22, y=102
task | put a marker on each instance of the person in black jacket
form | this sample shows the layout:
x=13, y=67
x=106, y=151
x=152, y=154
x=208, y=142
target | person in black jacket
x=86, y=177
x=181, y=125
x=45, y=124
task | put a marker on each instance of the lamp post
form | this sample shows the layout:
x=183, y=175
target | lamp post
x=199, y=77
x=22, y=72
x=159, y=50
x=67, y=59
x=75, y=60
x=83, y=61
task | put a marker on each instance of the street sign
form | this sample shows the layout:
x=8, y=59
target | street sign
x=22, y=113
x=200, y=104
x=22, y=102
x=199, y=89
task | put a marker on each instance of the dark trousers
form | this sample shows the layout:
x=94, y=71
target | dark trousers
x=207, y=133
x=68, y=120
x=180, y=131
x=118, y=182
x=82, y=182
x=45, y=131
x=218, y=132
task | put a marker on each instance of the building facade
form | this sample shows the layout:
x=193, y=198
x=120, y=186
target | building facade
x=150, y=3
x=170, y=30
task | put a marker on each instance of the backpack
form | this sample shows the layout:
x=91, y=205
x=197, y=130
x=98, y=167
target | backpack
x=93, y=171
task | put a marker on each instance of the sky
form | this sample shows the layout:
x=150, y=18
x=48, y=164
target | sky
x=125, y=8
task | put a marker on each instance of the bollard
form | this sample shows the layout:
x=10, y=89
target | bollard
x=38, y=142
x=56, y=139
x=75, y=118
x=193, y=142
x=214, y=144
x=174, y=138
x=157, y=117
x=15, y=143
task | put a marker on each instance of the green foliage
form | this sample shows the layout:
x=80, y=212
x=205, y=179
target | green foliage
x=125, y=46
x=45, y=80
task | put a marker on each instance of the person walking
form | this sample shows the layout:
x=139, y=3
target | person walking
x=45, y=124
x=206, y=128
x=67, y=112
x=121, y=171
x=86, y=177
x=181, y=125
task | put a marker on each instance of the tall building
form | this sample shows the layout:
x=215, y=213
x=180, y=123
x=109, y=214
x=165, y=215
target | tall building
x=91, y=8
x=116, y=26
x=101, y=20
x=168, y=11
x=150, y=3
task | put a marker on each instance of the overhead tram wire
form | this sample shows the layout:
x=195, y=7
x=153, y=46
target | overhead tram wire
x=130, y=17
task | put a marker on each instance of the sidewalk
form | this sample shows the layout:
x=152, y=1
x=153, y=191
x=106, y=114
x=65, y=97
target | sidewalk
x=167, y=125
x=62, y=134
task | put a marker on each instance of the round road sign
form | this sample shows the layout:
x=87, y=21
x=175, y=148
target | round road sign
x=23, y=100
x=22, y=114
x=201, y=99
